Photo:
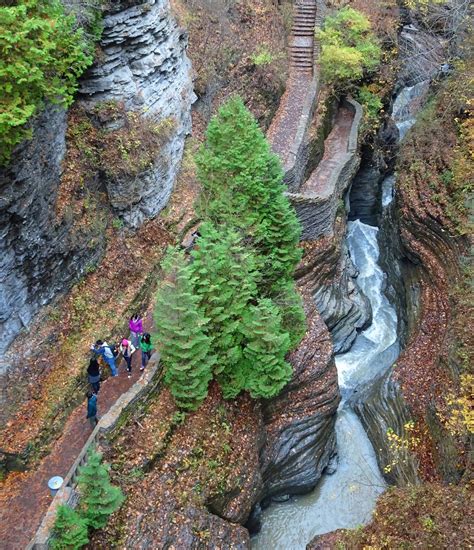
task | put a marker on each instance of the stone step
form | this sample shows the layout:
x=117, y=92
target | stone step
x=302, y=59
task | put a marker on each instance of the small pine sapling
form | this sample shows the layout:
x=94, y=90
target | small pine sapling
x=184, y=346
x=69, y=531
x=99, y=498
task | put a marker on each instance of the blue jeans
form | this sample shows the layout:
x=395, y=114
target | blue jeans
x=111, y=362
x=128, y=360
x=145, y=358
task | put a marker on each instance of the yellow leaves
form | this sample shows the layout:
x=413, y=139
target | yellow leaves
x=458, y=417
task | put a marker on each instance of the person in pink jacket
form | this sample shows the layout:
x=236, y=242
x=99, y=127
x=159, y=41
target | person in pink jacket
x=136, y=329
x=127, y=349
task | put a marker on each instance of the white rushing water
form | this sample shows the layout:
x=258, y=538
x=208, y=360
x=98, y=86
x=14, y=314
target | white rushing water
x=347, y=497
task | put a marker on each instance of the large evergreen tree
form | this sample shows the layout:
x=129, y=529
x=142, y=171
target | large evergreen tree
x=99, y=498
x=69, y=531
x=265, y=370
x=225, y=281
x=184, y=346
x=242, y=187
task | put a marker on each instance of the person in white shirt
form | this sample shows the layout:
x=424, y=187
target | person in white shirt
x=105, y=351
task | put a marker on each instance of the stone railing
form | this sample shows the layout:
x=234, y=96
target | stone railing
x=317, y=212
x=67, y=494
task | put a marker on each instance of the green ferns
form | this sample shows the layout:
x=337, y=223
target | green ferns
x=348, y=48
x=99, y=499
x=233, y=312
x=42, y=55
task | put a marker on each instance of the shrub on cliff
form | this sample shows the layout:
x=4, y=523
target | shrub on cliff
x=225, y=281
x=184, y=346
x=242, y=187
x=42, y=55
x=99, y=498
x=69, y=531
x=293, y=318
x=348, y=48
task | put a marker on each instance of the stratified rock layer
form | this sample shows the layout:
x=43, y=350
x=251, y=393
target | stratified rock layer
x=145, y=67
x=38, y=259
x=299, y=423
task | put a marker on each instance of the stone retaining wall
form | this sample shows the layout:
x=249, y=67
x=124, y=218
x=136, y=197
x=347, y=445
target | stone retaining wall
x=297, y=158
x=149, y=380
x=317, y=213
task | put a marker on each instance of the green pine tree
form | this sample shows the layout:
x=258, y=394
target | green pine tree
x=242, y=187
x=99, y=498
x=225, y=276
x=236, y=168
x=266, y=372
x=69, y=531
x=277, y=238
x=184, y=346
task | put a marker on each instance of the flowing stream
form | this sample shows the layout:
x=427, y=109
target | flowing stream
x=347, y=497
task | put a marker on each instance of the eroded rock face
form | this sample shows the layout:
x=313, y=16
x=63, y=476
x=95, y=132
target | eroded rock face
x=329, y=274
x=190, y=527
x=38, y=259
x=299, y=423
x=145, y=67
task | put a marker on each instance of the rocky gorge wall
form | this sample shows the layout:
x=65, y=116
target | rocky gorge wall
x=143, y=65
x=421, y=251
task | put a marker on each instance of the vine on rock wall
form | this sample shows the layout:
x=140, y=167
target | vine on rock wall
x=42, y=54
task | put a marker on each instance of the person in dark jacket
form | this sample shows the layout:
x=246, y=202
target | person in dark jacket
x=93, y=372
x=92, y=409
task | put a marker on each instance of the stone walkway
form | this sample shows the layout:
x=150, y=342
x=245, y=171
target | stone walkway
x=21, y=515
x=335, y=147
x=283, y=131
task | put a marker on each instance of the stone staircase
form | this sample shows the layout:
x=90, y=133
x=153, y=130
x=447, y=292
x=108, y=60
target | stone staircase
x=302, y=37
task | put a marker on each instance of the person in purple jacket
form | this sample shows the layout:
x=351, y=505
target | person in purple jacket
x=136, y=329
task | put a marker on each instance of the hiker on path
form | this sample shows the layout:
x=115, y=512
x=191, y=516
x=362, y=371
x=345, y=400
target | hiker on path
x=136, y=329
x=92, y=409
x=127, y=349
x=93, y=373
x=145, y=347
x=106, y=352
